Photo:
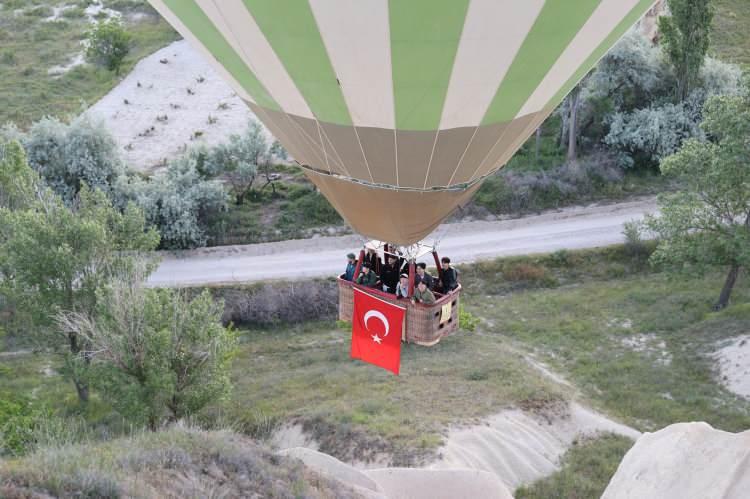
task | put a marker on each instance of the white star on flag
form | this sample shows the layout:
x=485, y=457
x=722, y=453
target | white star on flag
x=377, y=339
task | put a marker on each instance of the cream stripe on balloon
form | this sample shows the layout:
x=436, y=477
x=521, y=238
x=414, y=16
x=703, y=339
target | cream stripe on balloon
x=193, y=40
x=233, y=19
x=485, y=52
x=357, y=38
x=602, y=22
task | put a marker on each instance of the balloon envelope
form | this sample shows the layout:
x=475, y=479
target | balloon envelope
x=397, y=110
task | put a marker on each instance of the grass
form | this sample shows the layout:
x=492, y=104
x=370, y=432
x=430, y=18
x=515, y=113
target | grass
x=731, y=26
x=289, y=212
x=30, y=45
x=304, y=373
x=634, y=341
x=177, y=462
x=586, y=469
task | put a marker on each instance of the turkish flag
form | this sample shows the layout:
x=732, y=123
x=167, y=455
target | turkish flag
x=376, y=331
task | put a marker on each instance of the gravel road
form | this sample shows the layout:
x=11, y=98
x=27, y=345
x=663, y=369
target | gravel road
x=569, y=228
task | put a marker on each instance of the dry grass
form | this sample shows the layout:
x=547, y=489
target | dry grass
x=175, y=463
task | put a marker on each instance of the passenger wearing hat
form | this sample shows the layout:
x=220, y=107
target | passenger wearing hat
x=351, y=266
x=367, y=277
x=423, y=295
x=402, y=288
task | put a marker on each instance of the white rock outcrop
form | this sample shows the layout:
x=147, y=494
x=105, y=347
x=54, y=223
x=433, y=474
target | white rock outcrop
x=685, y=461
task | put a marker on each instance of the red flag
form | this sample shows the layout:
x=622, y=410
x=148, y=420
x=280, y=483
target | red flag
x=376, y=331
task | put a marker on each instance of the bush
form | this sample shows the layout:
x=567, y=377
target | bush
x=306, y=207
x=466, y=320
x=178, y=202
x=646, y=136
x=19, y=418
x=279, y=302
x=635, y=246
x=517, y=192
x=108, y=44
x=67, y=156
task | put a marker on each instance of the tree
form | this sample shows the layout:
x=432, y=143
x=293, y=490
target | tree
x=686, y=39
x=161, y=355
x=240, y=160
x=17, y=181
x=54, y=257
x=708, y=222
x=108, y=44
x=575, y=101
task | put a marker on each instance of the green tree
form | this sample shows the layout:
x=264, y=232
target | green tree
x=54, y=257
x=17, y=181
x=108, y=44
x=708, y=222
x=239, y=160
x=161, y=354
x=686, y=38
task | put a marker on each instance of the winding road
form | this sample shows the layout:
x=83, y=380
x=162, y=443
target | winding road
x=570, y=228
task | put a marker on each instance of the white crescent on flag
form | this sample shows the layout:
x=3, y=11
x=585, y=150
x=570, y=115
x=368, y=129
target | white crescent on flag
x=380, y=317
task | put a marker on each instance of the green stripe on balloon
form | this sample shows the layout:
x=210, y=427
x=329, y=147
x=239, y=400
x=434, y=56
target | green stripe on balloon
x=424, y=41
x=294, y=36
x=203, y=29
x=633, y=16
x=557, y=25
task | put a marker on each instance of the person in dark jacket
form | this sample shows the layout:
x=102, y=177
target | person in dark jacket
x=373, y=259
x=351, y=266
x=422, y=275
x=368, y=277
x=449, y=278
x=389, y=274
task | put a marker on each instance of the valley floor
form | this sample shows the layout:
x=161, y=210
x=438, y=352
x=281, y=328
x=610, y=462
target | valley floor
x=627, y=340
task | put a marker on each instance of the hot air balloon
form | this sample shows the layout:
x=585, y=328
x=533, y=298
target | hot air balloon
x=397, y=110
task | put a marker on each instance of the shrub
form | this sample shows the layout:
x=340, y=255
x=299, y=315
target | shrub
x=646, y=136
x=178, y=202
x=19, y=418
x=306, y=207
x=525, y=272
x=517, y=192
x=279, y=302
x=635, y=246
x=67, y=156
x=108, y=44
x=466, y=320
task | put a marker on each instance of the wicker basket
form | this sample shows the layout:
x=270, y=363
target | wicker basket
x=425, y=324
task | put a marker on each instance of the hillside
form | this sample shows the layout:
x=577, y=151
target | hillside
x=731, y=27
x=176, y=463
x=42, y=69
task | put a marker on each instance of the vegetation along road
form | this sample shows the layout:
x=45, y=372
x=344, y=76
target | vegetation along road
x=570, y=228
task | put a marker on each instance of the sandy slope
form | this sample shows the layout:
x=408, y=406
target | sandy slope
x=158, y=87
x=685, y=461
x=489, y=460
x=519, y=447
x=405, y=483
x=733, y=359
x=570, y=228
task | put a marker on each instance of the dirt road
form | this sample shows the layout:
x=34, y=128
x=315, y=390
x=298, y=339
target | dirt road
x=570, y=228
